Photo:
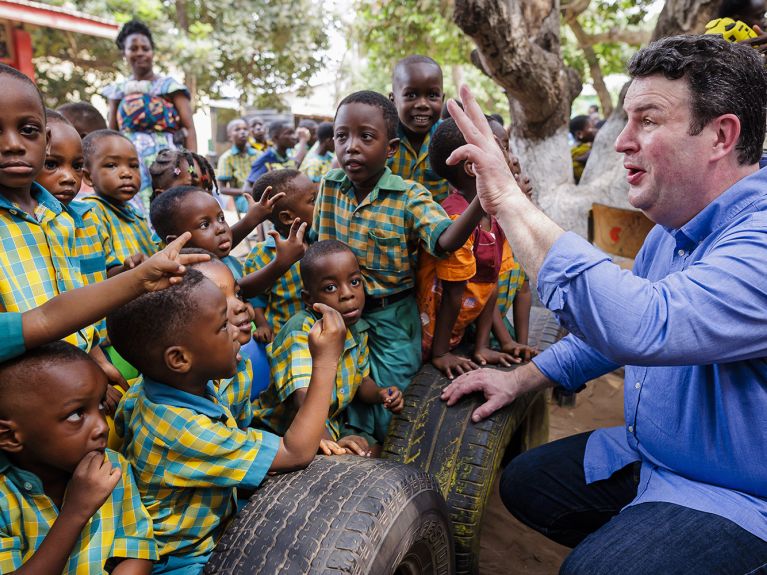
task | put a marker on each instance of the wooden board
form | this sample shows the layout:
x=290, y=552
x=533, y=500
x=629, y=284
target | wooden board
x=618, y=231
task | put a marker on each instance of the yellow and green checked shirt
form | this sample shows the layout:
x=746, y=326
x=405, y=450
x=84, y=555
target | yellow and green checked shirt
x=189, y=456
x=283, y=299
x=234, y=165
x=121, y=528
x=410, y=164
x=232, y=390
x=292, y=370
x=128, y=230
x=384, y=230
x=39, y=257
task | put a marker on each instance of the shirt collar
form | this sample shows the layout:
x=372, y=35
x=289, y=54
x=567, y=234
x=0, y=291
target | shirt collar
x=731, y=203
x=247, y=150
x=21, y=478
x=164, y=394
x=404, y=141
x=125, y=210
x=387, y=182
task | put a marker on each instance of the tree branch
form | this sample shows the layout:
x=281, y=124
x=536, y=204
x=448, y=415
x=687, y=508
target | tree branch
x=594, y=68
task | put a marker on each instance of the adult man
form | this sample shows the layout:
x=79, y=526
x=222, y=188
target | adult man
x=682, y=488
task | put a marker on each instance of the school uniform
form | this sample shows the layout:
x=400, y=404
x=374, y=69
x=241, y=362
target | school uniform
x=411, y=164
x=128, y=230
x=233, y=169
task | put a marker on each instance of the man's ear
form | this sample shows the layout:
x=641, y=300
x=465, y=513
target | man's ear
x=10, y=438
x=178, y=359
x=392, y=147
x=727, y=134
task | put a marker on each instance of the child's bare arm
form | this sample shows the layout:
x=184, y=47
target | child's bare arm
x=92, y=482
x=289, y=251
x=73, y=310
x=133, y=567
x=447, y=314
x=521, y=312
x=368, y=392
x=302, y=439
x=257, y=212
x=263, y=332
x=456, y=234
x=483, y=355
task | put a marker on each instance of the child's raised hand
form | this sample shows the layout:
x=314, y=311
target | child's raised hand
x=133, y=261
x=326, y=338
x=113, y=397
x=356, y=445
x=487, y=356
x=263, y=334
x=391, y=397
x=303, y=135
x=167, y=266
x=328, y=447
x=452, y=365
x=260, y=210
x=292, y=248
x=92, y=482
x=523, y=352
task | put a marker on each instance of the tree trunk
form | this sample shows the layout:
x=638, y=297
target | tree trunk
x=518, y=46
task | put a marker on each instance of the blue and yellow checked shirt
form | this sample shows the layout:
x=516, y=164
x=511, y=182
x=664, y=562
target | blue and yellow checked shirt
x=39, y=256
x=292, y=370
x=384, y=230
x=411, y=164
x=316, y=166
x=189, y=456
x=121, y=528
x=268, y=161
x=234, y=165
x=128, y=230
x=283, y=299
x=233, y=391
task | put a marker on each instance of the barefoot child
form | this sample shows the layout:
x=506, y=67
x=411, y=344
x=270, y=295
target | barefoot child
x=69, y=504
x=186, y=450
x=331, y=276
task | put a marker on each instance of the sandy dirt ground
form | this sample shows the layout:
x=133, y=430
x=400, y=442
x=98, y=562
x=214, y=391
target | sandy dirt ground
x=507, y=546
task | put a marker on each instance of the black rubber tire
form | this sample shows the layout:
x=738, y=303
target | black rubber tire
x=463, y=456
x=340, y=515
x=544, y=328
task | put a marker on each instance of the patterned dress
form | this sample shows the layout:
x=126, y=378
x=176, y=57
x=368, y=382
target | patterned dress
x=146, y=115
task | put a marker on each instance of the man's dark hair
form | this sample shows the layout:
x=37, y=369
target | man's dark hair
x=579, y=123
x=83, y=113
x=275, y=128
x=280, y=181
x=411, y=60
x=723, y=77
x=91, y=141
x=447, y=138
x=325, y=131
x=6, y=70
x=154, y=321
x=376, y=100
x=310, y=263
x=165, y=208
x=130, y=28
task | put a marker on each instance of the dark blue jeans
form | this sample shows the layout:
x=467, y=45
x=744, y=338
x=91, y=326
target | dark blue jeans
x=545, y=489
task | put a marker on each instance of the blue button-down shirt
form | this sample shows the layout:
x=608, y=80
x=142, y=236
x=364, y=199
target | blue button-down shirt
x=690, y=325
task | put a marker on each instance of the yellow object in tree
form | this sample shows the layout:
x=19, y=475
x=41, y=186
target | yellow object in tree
x=729, y=29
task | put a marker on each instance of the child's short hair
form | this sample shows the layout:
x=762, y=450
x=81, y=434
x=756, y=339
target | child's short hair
x=91, y=141
x=83, y=113
x=130, y=28
x=276, y=127
x=579, y=123
x=54, y=116
x=280, y=181
x=152, y=322
x=310, y=263
x=447, y=138
x=325, y=131
x=410, y=60
x=233, y=122
x=376, y=100
x=6, y=70
x=19, y=373
x=165, y=207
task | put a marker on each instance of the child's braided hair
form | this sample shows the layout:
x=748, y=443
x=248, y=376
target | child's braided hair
x=167, y=167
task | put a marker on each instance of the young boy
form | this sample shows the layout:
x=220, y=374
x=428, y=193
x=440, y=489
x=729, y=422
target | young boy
x=330, y=275
x=257, y=137
x=417, y=93
x=69, y=504
x=383, y=219
x=458, y=290
x=583, y=130
x=112, y=167
x=234, y=164
x=283, y=138
x=187, y=453
x=39, y=258
x=283, y=299
x=318, y=162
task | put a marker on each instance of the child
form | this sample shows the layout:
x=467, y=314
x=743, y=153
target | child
x=456, y=291
x=234, y=164
x=181, y=167
x=283, y=137
x=257, y=137
x=112, y=167
x=383, y=219
x=318, y=162
x=38, y=259
x=84, y=117
x=417, y=94
x=69, y=505
x=583, y=130
x=296, y=201
x=72, y=310
x=330, y=275
x=188, y=455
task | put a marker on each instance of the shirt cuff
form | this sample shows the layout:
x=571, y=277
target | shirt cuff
x=11, y=335
x=265, y=454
